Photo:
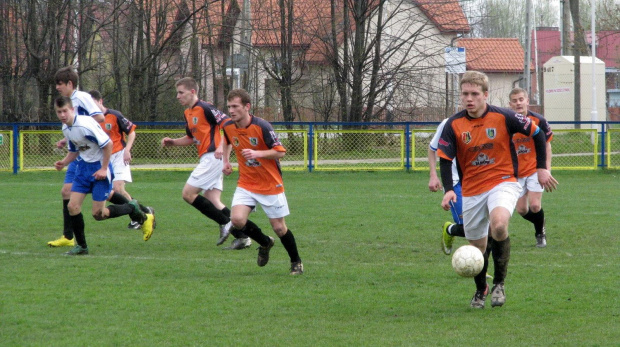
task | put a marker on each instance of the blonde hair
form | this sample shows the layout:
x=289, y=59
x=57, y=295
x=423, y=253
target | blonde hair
x=476, y=78
x=516, y=91
x=188, y=82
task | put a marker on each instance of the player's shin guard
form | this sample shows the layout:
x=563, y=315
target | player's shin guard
x=456, y=230
x=77, y=223
x=501, y=256
x=67, y=230
x=539, y=221
x=288, y=241
x=119, y=210
x=481, y=278
x=254, y=232
x=207, y=208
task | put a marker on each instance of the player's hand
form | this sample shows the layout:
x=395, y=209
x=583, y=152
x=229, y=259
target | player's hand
x=166, y=141
x=59, y=165
x=249, y=153
x=546, y=180
x=101, y=174
x=219, y=152
x=61, y=143
x=449, y=196
x=434, y=184
x=127, y=157
x=228, y=169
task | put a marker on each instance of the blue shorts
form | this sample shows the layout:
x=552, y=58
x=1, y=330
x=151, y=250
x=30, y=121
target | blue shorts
x=70, y=174
x=84, y=182
x=457, y=208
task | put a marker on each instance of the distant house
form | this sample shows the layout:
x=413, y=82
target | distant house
x=502, y=59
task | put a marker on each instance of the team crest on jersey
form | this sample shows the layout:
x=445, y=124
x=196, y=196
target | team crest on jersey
x=108, y=126
x=195, y=120
x=491, y=132
x=235, y=141
x=466, y=137
x=523, y=149
x=254, y=141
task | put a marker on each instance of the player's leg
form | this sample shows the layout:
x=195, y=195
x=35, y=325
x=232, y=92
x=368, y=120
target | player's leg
x=76, y=221
x=501, y=203
x=276, y=208
x=242, y=205
x=214, y=196
x=450, y=230
x=476, y=226
x=530, y=207
x=67, y=233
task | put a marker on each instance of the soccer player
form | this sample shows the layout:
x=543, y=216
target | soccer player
x=450, y=230
x=529, y=205
x=66, y=80
x=258, y=152
x=85, y=136
x=202, y=129
x=122, y=133
x=480, y=138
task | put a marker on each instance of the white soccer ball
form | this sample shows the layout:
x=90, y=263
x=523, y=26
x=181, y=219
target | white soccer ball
x=467, y=261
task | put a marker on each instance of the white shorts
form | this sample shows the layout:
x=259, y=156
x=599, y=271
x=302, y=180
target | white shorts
x=121, y=171
x=530, y=184
x=275, y=206
x=476, y=209
x=208, y=174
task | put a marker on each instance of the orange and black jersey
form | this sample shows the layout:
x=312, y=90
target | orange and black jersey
x=117, y=127
x=483, y=147
x=261, y=176
x=524, y=145
x=202, y=124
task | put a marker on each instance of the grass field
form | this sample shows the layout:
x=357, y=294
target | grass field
x=374, y=271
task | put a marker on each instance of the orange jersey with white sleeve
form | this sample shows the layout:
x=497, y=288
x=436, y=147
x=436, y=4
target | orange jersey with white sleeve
x=526, y=152
x=202, y=123
x=261, y=176
x=483, y=147
x=117, y=127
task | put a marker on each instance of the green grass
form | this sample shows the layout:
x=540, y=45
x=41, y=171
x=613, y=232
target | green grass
x=375, y=275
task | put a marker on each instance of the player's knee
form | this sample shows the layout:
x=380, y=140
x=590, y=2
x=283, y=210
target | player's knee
x=238, y=222
x=65, y=192
x=189, y=197
x=535, y=207
x=98, y=215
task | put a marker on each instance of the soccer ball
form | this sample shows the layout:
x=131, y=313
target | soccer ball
x=467, y=261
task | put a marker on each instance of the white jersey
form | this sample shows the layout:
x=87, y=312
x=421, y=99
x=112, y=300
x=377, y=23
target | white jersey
x=84, y=104
x=86, y=137
x=435, y=143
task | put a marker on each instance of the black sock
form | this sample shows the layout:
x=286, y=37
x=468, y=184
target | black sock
x=77, y=223
x=238, y=234
x=254, y=232
x=481, y=278
x=539, y=221
x=456, y=230
x=501, y=256
x=118, y=199
x=226, y=211
x=119, y=210
x=207, y=208
x=67, y=230
x=288, y=241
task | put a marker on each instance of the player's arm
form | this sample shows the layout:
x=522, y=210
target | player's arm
x=131, y=137
x=227, y=170
x=219, y=151
x=102, y=173
x=99, y=117
x=433, y=183
x=263, y=154
x=182, y=141
x=542, y=163
x=549, y=155
x=71, y=156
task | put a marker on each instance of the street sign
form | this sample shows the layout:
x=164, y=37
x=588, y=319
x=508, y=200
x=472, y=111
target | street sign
x=455, y=60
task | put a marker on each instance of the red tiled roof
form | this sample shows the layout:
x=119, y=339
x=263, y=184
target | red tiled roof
x=447, y=15
x=493, y=55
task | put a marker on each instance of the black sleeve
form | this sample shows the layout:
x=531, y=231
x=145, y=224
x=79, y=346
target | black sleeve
x=445, y=167
x=540, y=143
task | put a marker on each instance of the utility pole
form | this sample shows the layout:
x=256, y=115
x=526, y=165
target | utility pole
x=528, y=48
x=565, y=35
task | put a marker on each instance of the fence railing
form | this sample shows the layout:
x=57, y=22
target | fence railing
x=312, y=146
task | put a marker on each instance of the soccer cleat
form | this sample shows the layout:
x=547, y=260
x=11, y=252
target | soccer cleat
x=479, y=297
x=62, y=242
x=137, y=214
x=152, y=211
x=77, y=250
x=498, y=297
x=541, y=240
x=147, y=227
x=240, y=243
x=224, y=233
x=134, y=225
x=489, y=276
x=446, y=239
x=263, y=253
x=297, y=268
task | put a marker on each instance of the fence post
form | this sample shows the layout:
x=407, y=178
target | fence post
x=408, y=139
x=310, y=147
x=603, y=164
x=15, y=149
